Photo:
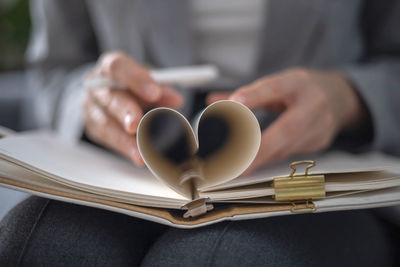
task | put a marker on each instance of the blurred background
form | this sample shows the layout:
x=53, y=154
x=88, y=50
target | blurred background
x=14, y=35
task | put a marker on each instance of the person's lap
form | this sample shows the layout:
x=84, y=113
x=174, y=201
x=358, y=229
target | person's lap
x=40, y=232
x=51, y=233
x=330, y=239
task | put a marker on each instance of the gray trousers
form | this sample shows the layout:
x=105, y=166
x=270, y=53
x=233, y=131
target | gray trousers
x=41, y=232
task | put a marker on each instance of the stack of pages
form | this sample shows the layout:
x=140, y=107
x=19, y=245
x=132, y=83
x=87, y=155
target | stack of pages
x=196, y=186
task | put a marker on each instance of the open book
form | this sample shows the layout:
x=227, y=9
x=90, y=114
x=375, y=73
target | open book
x=193, y=177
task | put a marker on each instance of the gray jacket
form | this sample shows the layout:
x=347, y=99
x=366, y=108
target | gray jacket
x=359, y=38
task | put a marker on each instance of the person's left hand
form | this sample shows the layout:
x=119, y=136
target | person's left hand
x=315, y=107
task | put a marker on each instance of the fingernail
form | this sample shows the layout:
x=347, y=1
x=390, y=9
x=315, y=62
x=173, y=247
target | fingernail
x=152, y=91
x=128, y=119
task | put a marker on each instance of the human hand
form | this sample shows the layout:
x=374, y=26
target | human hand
x=112, y=116
x=315, y=107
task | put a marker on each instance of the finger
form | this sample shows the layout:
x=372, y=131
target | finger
x=319, y=136
x=121, y=105
x=170, y=98
x=278, y=140
x=276, y=89
x=104, y=130
x=122, y=68
x=260, y=94
x=217, y=96
x=263, y=158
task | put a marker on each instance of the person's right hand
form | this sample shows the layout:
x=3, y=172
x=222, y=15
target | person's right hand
x=112, y=116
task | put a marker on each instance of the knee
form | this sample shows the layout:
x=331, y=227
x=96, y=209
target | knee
x=293, y=241
x=16, y=227
x=225, y=244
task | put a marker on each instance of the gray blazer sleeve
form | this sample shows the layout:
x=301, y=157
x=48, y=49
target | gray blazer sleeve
x=61, y=45
x=377, y=75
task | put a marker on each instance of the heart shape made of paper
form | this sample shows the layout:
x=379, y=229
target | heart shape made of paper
x=224, y=140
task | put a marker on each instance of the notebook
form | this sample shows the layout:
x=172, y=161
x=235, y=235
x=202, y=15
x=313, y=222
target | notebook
x=198, y=185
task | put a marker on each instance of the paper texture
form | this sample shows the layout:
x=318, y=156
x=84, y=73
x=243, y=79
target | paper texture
x=82, y=166
x=327, y=162
x=386, y=197
x=334, y=182
x=237, y=151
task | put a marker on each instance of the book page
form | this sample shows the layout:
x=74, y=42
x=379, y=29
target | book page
x=236, y=151
x=327, y=162
x=82, y=166
x=369, y=199
x=167, y=143
x=223, y=142
x=14, y=175
x=334, y=182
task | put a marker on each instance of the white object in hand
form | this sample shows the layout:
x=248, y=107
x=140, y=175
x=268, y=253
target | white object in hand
x=189, y=76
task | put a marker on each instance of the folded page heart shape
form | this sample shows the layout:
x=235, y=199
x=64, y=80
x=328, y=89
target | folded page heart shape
x=224, y=140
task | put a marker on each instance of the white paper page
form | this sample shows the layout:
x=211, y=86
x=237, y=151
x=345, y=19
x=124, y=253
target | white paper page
x=384, y=197
x=166, y=170
x=240, y=148
x=37, y=182
x=83, y=165
x=359, y=181
x=239, y=193
x=224, y=164
x=329, y=162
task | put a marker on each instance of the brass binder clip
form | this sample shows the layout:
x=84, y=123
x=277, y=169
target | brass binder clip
x=197, y=207
x=310, y=207
x=300, y=187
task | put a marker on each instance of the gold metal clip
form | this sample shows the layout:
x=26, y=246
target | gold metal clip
x=300, y=187
x=310, y=207
x=197, y=207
